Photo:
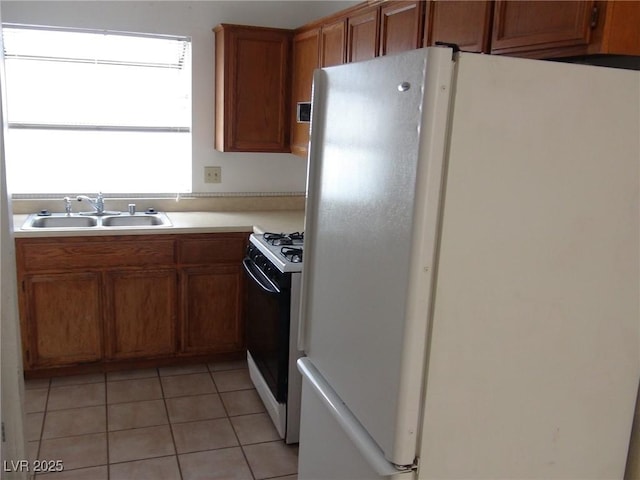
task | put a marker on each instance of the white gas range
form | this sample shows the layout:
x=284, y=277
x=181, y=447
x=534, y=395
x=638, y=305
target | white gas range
x=274, y=268
x=283, y=250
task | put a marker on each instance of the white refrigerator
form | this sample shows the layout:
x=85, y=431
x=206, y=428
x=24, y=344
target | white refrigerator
x=470, y=295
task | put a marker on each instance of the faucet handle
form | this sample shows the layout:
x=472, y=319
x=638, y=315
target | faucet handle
x=67, y=205
x=100, y=203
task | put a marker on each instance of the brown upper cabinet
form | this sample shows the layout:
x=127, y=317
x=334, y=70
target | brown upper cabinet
x=551, y=29
x=617, y=29
x=384, y=29
x=540, y=25
x=465, y=23
x=255, y=111
x=306, y=45
x=401, y=25
x=252, y=89
x=359, y=33
x=363, y=35
x=333, y=43
x=318, y=46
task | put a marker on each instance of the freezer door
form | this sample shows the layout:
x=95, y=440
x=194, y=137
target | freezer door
x=376, y=153
x=336, y=447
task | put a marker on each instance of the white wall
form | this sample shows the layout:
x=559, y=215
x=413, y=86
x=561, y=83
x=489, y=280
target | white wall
x=240, y=172
x=11, y=382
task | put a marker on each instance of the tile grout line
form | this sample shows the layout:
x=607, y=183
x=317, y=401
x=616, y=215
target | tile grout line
x=106, y=425
x=253, y=476
x=166, y=411
x=44, y=418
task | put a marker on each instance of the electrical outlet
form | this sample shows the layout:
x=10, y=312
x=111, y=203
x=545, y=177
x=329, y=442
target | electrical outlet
x=212, y=174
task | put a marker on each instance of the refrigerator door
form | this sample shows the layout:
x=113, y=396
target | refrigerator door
x=535, y=355
x=375, y=166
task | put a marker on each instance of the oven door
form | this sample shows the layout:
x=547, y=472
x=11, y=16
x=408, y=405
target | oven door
x=268, y=317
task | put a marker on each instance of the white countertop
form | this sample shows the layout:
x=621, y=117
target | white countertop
x=185, y=222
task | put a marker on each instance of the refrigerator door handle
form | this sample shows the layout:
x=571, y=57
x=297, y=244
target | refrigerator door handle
x=349, y=423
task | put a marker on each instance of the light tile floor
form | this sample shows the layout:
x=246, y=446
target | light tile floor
x=183, y=423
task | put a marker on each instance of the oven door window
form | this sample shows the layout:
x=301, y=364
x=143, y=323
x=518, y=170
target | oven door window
x=268, y=316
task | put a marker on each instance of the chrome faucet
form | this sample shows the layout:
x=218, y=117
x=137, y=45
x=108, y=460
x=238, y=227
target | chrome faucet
x=97, y=204
x=67, y=205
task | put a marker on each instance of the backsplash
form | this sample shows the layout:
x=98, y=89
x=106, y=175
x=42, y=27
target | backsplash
x=187, y=203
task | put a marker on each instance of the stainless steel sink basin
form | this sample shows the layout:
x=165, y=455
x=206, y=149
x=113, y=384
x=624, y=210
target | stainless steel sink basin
x=136, y=220
x=75, y=221
x=60, y=220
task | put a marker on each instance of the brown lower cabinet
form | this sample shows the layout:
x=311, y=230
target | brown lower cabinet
x=97, y=303
x=211, y=295
x=141, y=313
x=61, y=317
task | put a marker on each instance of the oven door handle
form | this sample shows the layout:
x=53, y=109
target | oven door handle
x=259, y=278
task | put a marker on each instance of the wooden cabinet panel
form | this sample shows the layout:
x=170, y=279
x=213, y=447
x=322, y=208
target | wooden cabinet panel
x=306, y=47
x=618, y=29
x=319, y=46
x=212, y=292
x=141, y=313
x=62, y=320
x=363, y=35
x=528, y=25
x=401, y=26
x=252, y=89
x=332, y=44
x=465, y=23
x=212, y=309
x=212, y=248
x=93, y=252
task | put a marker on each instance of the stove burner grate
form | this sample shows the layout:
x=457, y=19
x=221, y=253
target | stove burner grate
x=278, y=239
x=292, y=254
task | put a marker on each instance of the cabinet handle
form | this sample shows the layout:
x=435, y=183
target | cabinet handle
x=594, y=17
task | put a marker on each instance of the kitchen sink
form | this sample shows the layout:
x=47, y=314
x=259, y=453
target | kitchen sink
x=62, y=220
x=136, y=220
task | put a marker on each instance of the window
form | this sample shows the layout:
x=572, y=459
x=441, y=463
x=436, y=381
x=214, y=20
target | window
x=93, y=111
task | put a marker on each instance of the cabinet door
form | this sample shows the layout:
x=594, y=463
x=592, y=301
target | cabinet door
x=540, y=25
x=63, y=319
x=141, y=313
x=252, y=89
x=363, y=35
x=465, y=23
x=401, y=27
x=212, y=309
x=305, y=61
x=333, y=43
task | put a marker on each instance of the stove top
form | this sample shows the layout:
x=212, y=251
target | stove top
x=280, y=239
x=284, y=250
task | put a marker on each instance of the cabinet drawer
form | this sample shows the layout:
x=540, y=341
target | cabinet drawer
x=65, y=254
x=218, y=248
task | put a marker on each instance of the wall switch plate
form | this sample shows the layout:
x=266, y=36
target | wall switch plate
x=212, y=174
